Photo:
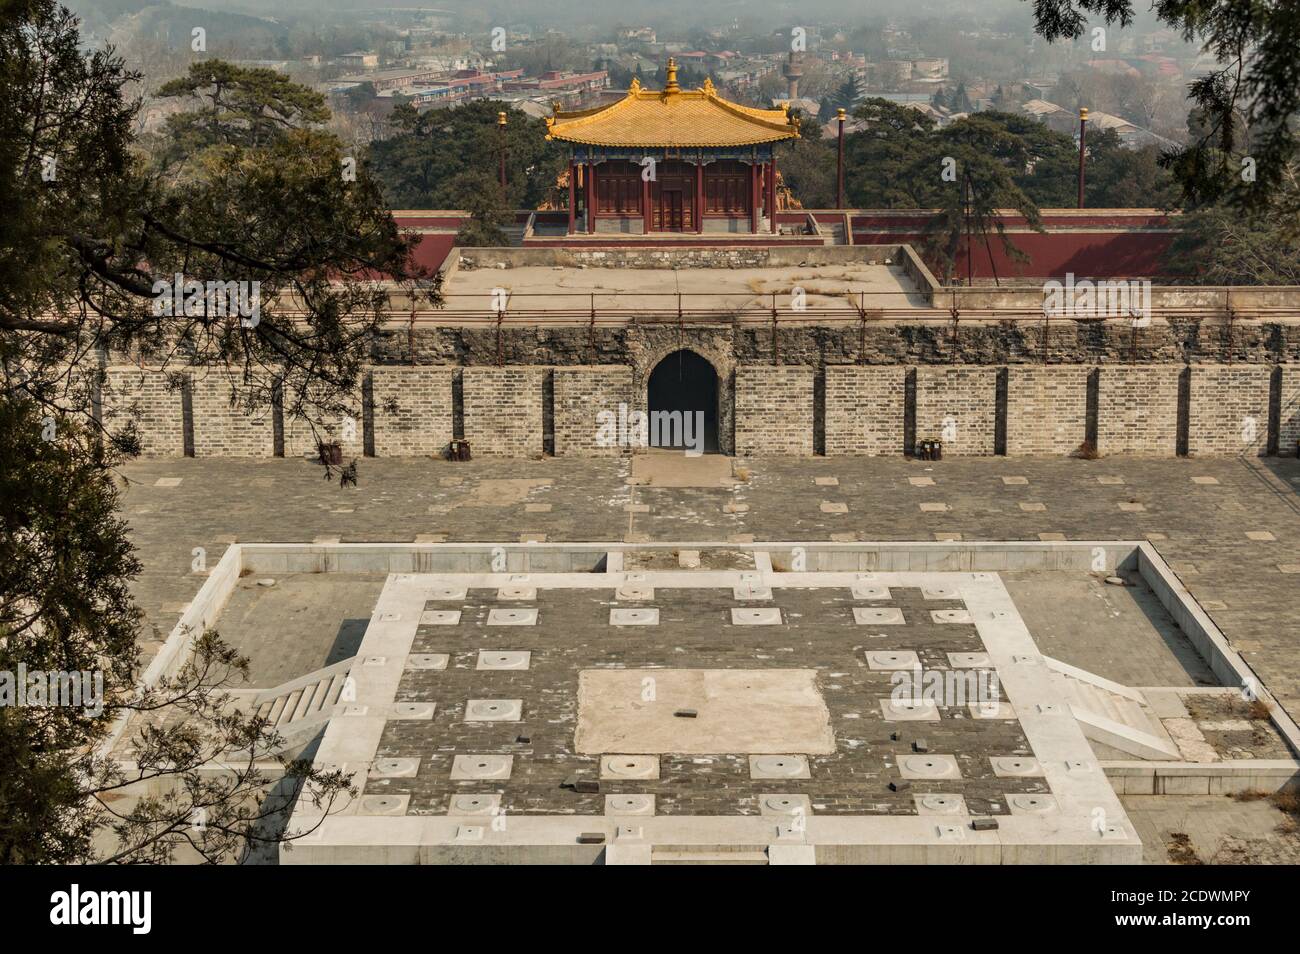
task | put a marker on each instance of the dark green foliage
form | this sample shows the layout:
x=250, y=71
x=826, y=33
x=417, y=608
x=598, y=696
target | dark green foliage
x=421, y=166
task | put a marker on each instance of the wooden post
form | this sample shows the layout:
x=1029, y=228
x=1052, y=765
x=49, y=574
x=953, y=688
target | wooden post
x=573, y=194
x=647, y=221
x=771, y=190
x=754, y=169
x=591, y=199
x=699, y=197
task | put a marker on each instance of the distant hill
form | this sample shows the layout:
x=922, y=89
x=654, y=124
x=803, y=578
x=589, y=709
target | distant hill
x=125, y=21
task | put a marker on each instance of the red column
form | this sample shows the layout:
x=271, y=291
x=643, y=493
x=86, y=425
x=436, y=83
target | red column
x=573, y=193
x=645, y=206
x=591, y=199
x=771, y=190
x=699, y=197
x=753, y=197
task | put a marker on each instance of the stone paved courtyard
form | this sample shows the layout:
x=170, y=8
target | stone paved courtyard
x=1229, y=528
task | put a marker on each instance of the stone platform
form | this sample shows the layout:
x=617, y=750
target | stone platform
x=527, y=717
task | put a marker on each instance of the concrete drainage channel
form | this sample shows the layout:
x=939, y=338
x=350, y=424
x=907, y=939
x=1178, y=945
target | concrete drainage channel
x=1042, y=826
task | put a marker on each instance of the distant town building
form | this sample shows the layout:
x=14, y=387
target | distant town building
x=557, y=81
x=388, y=81
x=360, y=60
x=638, y=35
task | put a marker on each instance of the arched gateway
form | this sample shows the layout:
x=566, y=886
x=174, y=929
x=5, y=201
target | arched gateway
x=682, y=400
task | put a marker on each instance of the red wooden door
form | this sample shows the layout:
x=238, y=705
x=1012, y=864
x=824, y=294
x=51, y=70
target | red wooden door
x=671, y=200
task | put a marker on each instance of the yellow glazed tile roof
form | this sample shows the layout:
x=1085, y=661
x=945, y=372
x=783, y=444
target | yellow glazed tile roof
x=672, y=118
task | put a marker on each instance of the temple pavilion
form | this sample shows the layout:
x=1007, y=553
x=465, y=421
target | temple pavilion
x=672, y=160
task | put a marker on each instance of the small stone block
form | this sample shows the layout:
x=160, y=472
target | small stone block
x=984, y=824
x=758, y=616
x=686, y=714
x=878, y=616
x=900, y=785
x=591, y=838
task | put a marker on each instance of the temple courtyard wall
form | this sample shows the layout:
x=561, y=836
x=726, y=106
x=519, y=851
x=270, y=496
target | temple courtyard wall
x=1193, y=389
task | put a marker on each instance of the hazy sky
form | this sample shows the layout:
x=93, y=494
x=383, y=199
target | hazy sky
x=579, y=16
x=654, y=12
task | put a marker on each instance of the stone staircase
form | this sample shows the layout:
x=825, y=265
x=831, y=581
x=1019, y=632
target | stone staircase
x=299, y=708
x=1111, y=714
x=835, y=233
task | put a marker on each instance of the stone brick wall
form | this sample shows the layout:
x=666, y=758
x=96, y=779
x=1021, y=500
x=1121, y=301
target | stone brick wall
x=1228, y=410
x=769, y=410
x=1289, y=416
x=1047, y=409
x=302, y=435
x=580, y=395
x=503, y=411
x=1137, y=410
x=135, y=394
x=221, y=430
x=912, y=343
x=774, y=410
x=420, y=424
x=864, y=410
x=957, y=405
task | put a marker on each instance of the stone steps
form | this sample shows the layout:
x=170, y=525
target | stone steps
x=1112, y=714
x=300, y=705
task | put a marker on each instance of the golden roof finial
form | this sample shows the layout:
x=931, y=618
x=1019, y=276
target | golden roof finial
x=708, y=87
x=671, y=86
x=634, y=86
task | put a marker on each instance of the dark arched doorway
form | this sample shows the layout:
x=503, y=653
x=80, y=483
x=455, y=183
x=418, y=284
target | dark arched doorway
x=682, y=396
